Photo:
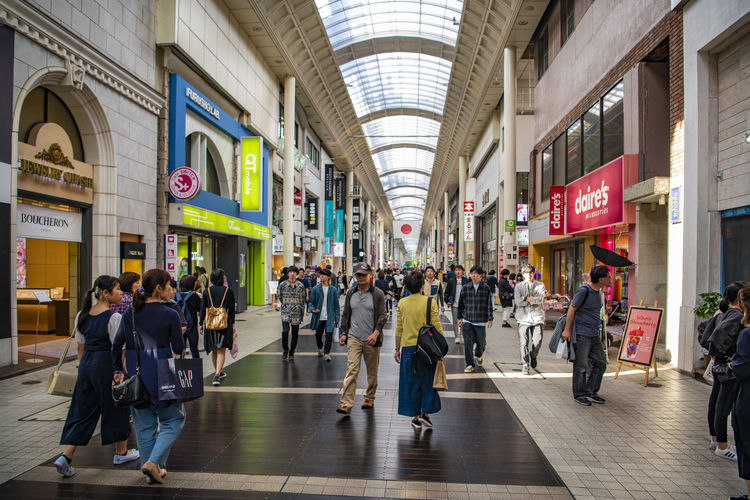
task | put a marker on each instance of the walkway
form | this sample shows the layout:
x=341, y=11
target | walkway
x=271, y=431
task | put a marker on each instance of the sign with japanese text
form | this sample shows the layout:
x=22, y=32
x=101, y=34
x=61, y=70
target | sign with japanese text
x=556, y=210
x=312, y=213
x=328, y=222
x=468, y=221
x=356, y=229
x=641, y=333
x=675, y=216
x=251, y=183
x=340, y=204
x=596, y=199
x=510, y=226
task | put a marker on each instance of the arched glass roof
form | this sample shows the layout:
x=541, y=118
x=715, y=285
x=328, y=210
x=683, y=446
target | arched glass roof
x=405, y=191
x=403, y=159
x=400, y=129
x=351, y=21
x=405, y=179
x=397, y=80
x=407, y=213
x=408, y=202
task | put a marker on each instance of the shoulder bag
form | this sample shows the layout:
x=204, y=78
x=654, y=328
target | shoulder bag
x=62, y=383
x=217, y=317
x=131, y=391
x=431, y=346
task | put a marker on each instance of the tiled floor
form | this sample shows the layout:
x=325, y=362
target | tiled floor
x=500, y=435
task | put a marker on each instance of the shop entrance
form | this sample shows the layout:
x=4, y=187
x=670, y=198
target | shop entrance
x=255, y=273
x=567, y=268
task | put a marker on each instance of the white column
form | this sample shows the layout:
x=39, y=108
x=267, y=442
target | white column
x=288, y=193
x=509, y=155
x=350, y=257
x=446, y=215
x=461, y=199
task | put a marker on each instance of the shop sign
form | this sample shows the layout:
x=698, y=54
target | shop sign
x=596, y=200
x=338, y=249
x=184, y=184
x=356, y=233
x=556, y=210
x=510, y=226
x=468, y=221
x=202, y=102
x=198, y=217
x=170, y=255
x=312, y=214
x=675, y=216
x=132, y=250
x=313, y=244
x=252, y=174
x=277, y=243
x=523, y=236
x=328, y=221
x=48, y=224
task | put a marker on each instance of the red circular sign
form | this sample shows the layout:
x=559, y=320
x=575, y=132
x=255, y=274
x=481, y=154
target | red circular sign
x=184, y=184
x=406, y=229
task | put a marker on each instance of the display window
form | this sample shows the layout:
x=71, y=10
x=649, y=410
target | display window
x=195, y=252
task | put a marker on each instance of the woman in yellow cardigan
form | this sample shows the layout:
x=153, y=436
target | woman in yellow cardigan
x=416, y=397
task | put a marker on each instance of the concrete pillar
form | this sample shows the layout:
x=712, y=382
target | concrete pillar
x=381, y=250
x=350, y=257
x=446, y=216
x=461, y=198
x=288, y=193
x=509, y=154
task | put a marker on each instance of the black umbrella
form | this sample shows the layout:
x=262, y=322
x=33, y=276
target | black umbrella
x=609, y=258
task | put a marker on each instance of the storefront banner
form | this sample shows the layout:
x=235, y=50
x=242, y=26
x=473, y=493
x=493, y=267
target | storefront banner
x=328, y=221
x=356, y=229
x=312, y=213
x=340, y=204
x=21, y=262
x=468, y=221
x=596, y=200
x=556, y=210
x=641, y=333
x=48, y=224
x=170, y=255
x=252, y=174
x=277, y=244
x=197, y=217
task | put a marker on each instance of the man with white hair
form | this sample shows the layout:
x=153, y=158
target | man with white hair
x=529, y=295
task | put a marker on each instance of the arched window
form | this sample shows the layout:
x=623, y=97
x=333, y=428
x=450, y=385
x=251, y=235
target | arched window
x=202, y=156
x=44, y=106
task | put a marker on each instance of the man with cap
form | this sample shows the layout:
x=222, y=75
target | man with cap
x=324, y=303
x=362, y=331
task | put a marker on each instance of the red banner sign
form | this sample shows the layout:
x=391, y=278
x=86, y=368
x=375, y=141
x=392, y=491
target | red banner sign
x=596, y=200
x=556, y=210
x=469, y=207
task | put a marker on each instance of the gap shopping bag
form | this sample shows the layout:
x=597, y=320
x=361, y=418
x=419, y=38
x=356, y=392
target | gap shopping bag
x=179, y=379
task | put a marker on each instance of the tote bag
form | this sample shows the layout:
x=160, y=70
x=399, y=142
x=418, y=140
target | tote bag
x=440, y=381
x=179, y=379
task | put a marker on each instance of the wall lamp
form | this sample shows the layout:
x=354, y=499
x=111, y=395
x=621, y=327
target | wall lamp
x=747, y=138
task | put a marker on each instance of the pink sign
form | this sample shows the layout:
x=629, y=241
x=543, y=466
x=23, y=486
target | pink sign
x=596, y=200
x=556, y=210
x=184, y=184
x=641, y=333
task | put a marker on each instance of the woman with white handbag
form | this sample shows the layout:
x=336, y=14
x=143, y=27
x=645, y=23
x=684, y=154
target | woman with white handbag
x=96, y=327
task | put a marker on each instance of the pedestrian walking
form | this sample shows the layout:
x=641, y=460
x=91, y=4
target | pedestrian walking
x=474, y=317
x=505, y=291
x=129, y=283
x=324, y=302
x=492, y=281
x=362, y=332
x=189, y=301
x=384, y=286
x=529, y=295
x=453, y=295
x=741, y=409
x=217, y=341
x=292, y=298
x=433, y=287
x=159, y=423
x=416, y=397
x=95, y=328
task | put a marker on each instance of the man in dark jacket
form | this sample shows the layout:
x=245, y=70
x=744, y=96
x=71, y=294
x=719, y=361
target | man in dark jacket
x=453, y=294
x=506, y=296
x=362, y=331
x=474, y=317
x=493, y=282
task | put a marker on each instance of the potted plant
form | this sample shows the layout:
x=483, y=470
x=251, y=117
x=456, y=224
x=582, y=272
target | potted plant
x=709, y=304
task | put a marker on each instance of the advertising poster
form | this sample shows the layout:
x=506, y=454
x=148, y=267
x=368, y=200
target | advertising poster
x=356, y=229
x=640, y=335
x=340, y=205
x=170, y=255
x=328, y=221
x=21, y=262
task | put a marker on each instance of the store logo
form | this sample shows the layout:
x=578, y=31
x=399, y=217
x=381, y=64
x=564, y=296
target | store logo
x=41, y=220
x=200, y=101
x=592, y=199
x=184, y=184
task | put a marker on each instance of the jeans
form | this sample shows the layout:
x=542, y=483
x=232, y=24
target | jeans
x=589, y=366
x=319, y=336
x=529, y=334
x=473, y=335
x=720, y=403
x=388, y=304
x=154, y=443
x=285, y=337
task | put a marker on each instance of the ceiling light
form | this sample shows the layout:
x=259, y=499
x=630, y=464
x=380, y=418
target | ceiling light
x=257, y=28
x=523, y=23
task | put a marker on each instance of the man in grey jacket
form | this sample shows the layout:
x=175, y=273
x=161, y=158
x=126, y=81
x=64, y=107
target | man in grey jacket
x=529, y=295
x=362, y=331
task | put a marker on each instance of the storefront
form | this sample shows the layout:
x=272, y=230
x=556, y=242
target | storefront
x=209, y=229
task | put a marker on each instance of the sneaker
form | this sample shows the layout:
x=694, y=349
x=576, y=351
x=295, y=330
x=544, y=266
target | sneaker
x=223, y=375
x=129, y=456
x=479, y=360
x=533, y=361
x=730, y=452
x=216, y=380
x=583, y=400
x=320, y=352
x=291, y=356
x=507, y=325
x=525, y=369
x=328, y=357
x=344, y=409
x=162, y=473
x=151, y=470
x=285, y=356
x=469, y=369
x=595, y=398
x=416, y=424
x=424, y=419
x=712, y=445
x=63, y=467
x=367, y=404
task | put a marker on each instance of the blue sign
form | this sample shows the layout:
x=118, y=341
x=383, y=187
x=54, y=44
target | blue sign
x=674, y=205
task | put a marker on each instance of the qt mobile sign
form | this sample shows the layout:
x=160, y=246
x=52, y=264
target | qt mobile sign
x=596, y=200
x=251, y=183
x=184, y=184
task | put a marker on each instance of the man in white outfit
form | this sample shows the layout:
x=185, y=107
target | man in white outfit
x=529, y=295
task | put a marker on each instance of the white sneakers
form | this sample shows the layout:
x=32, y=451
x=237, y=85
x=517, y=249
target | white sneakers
x=469, y=369
x=712, y=445
x=730, y=452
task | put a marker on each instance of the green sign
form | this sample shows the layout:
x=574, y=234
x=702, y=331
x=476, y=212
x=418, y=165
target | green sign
x=510, y=226
x=252, y=174
x=197, y=217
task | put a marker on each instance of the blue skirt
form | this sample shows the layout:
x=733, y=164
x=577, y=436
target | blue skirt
x=415, y=392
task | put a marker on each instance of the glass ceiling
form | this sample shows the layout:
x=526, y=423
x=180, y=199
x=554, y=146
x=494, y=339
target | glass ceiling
x=401, y=129
x=405, y=191
x=405, y=179
x=408, y=202
x=403, y=159
x=351, y=21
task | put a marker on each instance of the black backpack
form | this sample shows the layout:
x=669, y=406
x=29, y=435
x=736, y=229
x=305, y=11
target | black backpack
x=431, y=346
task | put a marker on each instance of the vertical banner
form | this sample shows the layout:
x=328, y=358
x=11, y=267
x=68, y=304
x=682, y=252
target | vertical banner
x=170, y=255
x=356, y=230
x=251, y=185
x=556, y=210
x=328, y=222
x=340, y=192
x=468, y=221
x=312, y=213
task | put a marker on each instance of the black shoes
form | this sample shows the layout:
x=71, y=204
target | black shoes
x=595, y=398
x=424, y=419
x=285, y=356
x=507, y=325
x=533, y=361
x=416, y=424
x=583, y=400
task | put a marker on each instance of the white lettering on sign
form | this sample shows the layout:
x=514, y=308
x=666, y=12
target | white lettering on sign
x=557, y=209
x=186, y=378
x=250, y=166
x=200, y=101
x=591, y=200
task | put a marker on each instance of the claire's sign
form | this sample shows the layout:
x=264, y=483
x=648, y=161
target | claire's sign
x=556, y=210
x=184, y=184
x=596, y=200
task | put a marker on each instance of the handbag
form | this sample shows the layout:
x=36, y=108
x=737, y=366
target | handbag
x=440, y=381
x=217, y=317
x=722, y=371
x=62, y=383
x=131, y=391
x=179, y=379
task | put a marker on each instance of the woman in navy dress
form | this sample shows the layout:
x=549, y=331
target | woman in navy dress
x=741, y=410
x=96, y=326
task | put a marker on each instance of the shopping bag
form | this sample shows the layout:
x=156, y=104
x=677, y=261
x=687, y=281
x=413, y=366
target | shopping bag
x=235, y=346
x=708, y=375
x=497, y=300
x=562, y=350
x=179, y=379
x=440, y=381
